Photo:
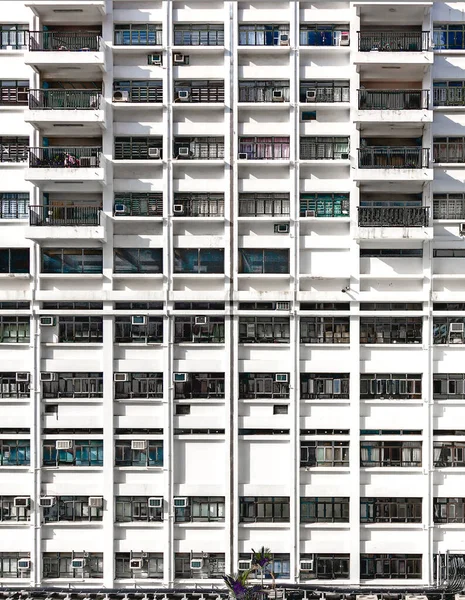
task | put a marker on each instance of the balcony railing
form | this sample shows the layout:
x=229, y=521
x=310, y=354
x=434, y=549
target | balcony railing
x=64, y=41
x=393, y=216
x=393, y=157
x=64, y=99
x=451, y=96
x=55, y=157
x=393, y=99
x=264, y=148
x=320, y=149
x=64, y=215
x=393, y=41
x=202, y=207
x=198, y=149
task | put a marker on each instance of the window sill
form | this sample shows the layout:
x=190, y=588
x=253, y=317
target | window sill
x=71, y=468
x=139, y=524
x=327, y=401
x=326, y=344
x=381, y=402
x=264, y=275
x=139, y=468
x=83, y=400
x=24, y=344
x=391, y=525
x=73, y=344
x=200, y=343
x=345, y=525
x=326, y=469
x=273, y=343
x=264, y=525
x=63, y=524
x=15, y=400
x=137, y=275
x=138, y=344
x=417, y=345
x=202, y=524
x=393, y=469
x=15, y=523
x=203, y=275
x=139, y=400
x=15, y=275
x=70, y=275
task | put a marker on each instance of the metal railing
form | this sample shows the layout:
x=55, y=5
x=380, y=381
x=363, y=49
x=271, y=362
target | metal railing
x=64, y=99
x=198, y=35
x=134, y=149
x=141, y=93
x=393, y=99
x=203, y=207
x=393, y=41
x=393, y=216
x=267, y=92
x=56, y=157
x=198, y=149
x=64, y=41
x=264, y=149
x=328, y=93
x=451, y=96
x=14, y=95
x=312, y=149
x=40, y=215
x=199, y=93
x=393, y=157
x=270, y=207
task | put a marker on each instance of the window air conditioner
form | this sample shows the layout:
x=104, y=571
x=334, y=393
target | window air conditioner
x=155, y=502
x=284, y=39
x=277, y=95
x=183, y=95
x=64, y=444
x=136, y=564
x=306, y=564
x=243, y=155
x=180, y=502
x=155, y=59
x=21, y=502
x=120, y=377
x=154, y=153
x=462, y=229
x=200, y=320
x=47, y=501
x=281, y=377
x=47, y=321
x=138, y=320
x=183, y=152
x=179, y=59
x=310, y=213
x=178, y=209
x=345, y=38
x=138, y=444
x=24, y=564
x=122, y=96
x=48, y=377
x=120, y=209
x=78, y=563
x=281, y=228
x=22, y=377
x=310, y=95
x=244, y=565
x=95, y=501
x=196, y=564
x=179, y=377
x=456, y=328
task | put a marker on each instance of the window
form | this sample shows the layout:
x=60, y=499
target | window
x=264, y=205
x=324, y=205
x=202, y=260
x=143, y=204
x=448, y=253
x=14, y=91
x=213, y=566
x=449, y=149
x=139, y=385
x=143, y=91
x=318, y=453
x=152, y=565
x=11, y=388
x=183, y=409
x=136, y=508
x=449, y=454
x=201, y=509
x=138, y=260
x=391, y=306
x=72, y=305
x=324, y=330
x=14, y=330
x=14, y=260
x=387, y=330
x=140, y=34
x=263, y=261
x=390, y=510
x=83, y=453
x=448, y=93
x=14, y=36
x=10, y=512
x=199, y=385
x=280, y=409
x=72, y=260
x=264, y=330
x=324, y=148
x=198, y=148
x=199, y=35
x=324, y=306
x=199, y=306
x=449, y=386
x=390, y=454
x=148, y=332
x=326, y=566
x=138, y=305
x=263, y=385
x=324, y=91
x=449, y=36
x=324, y=510
x=404, y=40
x=13, y=149
x=80, y=329
x=14, y=305
x=308, y=115
x=260, y=148
x=199, y=91
x=72, y=508
x=391, y=252
x=324, y=386
x=264, y=91
x=322, y=35
x=150, y=456
x=137, y=147
x=57, y=565
x=262, y=35
x=198, y=205
x=74, y=385
x=448, y=330
x=9, y=564
x=279, y=566
x=189, y=329
x=263, y=509
x=387, y=387
x=390, y=566
x=449, y=510
x=15, y=453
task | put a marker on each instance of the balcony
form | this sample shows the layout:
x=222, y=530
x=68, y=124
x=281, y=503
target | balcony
x=199, y=149
x=264, y=92
x=399, y=106
x=393, y=216
x=378, y=163
x=324, y=149
x=199, y=330
x=64, y=163
x=381, y=47
x=264, y=149
x=198, y=92
x=79, y=107
x=81, y=222
x=198, y=205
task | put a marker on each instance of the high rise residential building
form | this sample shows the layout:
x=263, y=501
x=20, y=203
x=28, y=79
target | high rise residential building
x=232, y=292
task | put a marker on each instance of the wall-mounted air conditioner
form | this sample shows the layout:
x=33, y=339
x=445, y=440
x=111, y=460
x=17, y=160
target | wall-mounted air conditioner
x=120, y=209
x=243, y=156
x=281, y=377
x=136, y=564
x=47, y=321
x=138, y=320
x=306, y=564
x=278, y=95
x=22, y=377
x=155, y=502
x=179, y=377
x=179, y=59
x=120, y=377
x=178, y=209
x=310, y=95
x=21, y=502
x=95, y=501
x=183, y=95
x=196, y=564
x=284, y=39
x=47, y=501
x=281, y=228
x=48, y=377
x=200, y=320
x=78, y=563
x=64, y=444
x=154, y=152
x=180, y=502
x=155, y=59
x=184, y=152
x=138, y=444
x=121, y=96
x=244, y=565
x=24, y=564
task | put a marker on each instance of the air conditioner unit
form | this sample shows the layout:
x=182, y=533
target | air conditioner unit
x=200, y=320
x=122, y=96
x=120, y=209
x=21, y=502
x=47, y=501
x=138, y=444
x=281, y=228
x=284, y=39
x=310, y=95
x=48, y=377
x=138, y=320
x=120, y=377
x=180, y=502
x=78, y=563
x=462, y=229
x=244, y=565
x=243, y=156
x=179, y=377
x=135, y=564
x=24, y=564
x=22, y=377
x=281, y=377
x=154, y=152
x=183, y=152
x=278, y=95
x=179, y=59
x=155, y=502
x=155, y=59
x=183, y=95
x=178, y=209
x=47, y=321
x=196, y=564
x=64, y=444
x=456, y=328
x=306, y=564
x=345, y=38
x=95, y=501
x=310, y=213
